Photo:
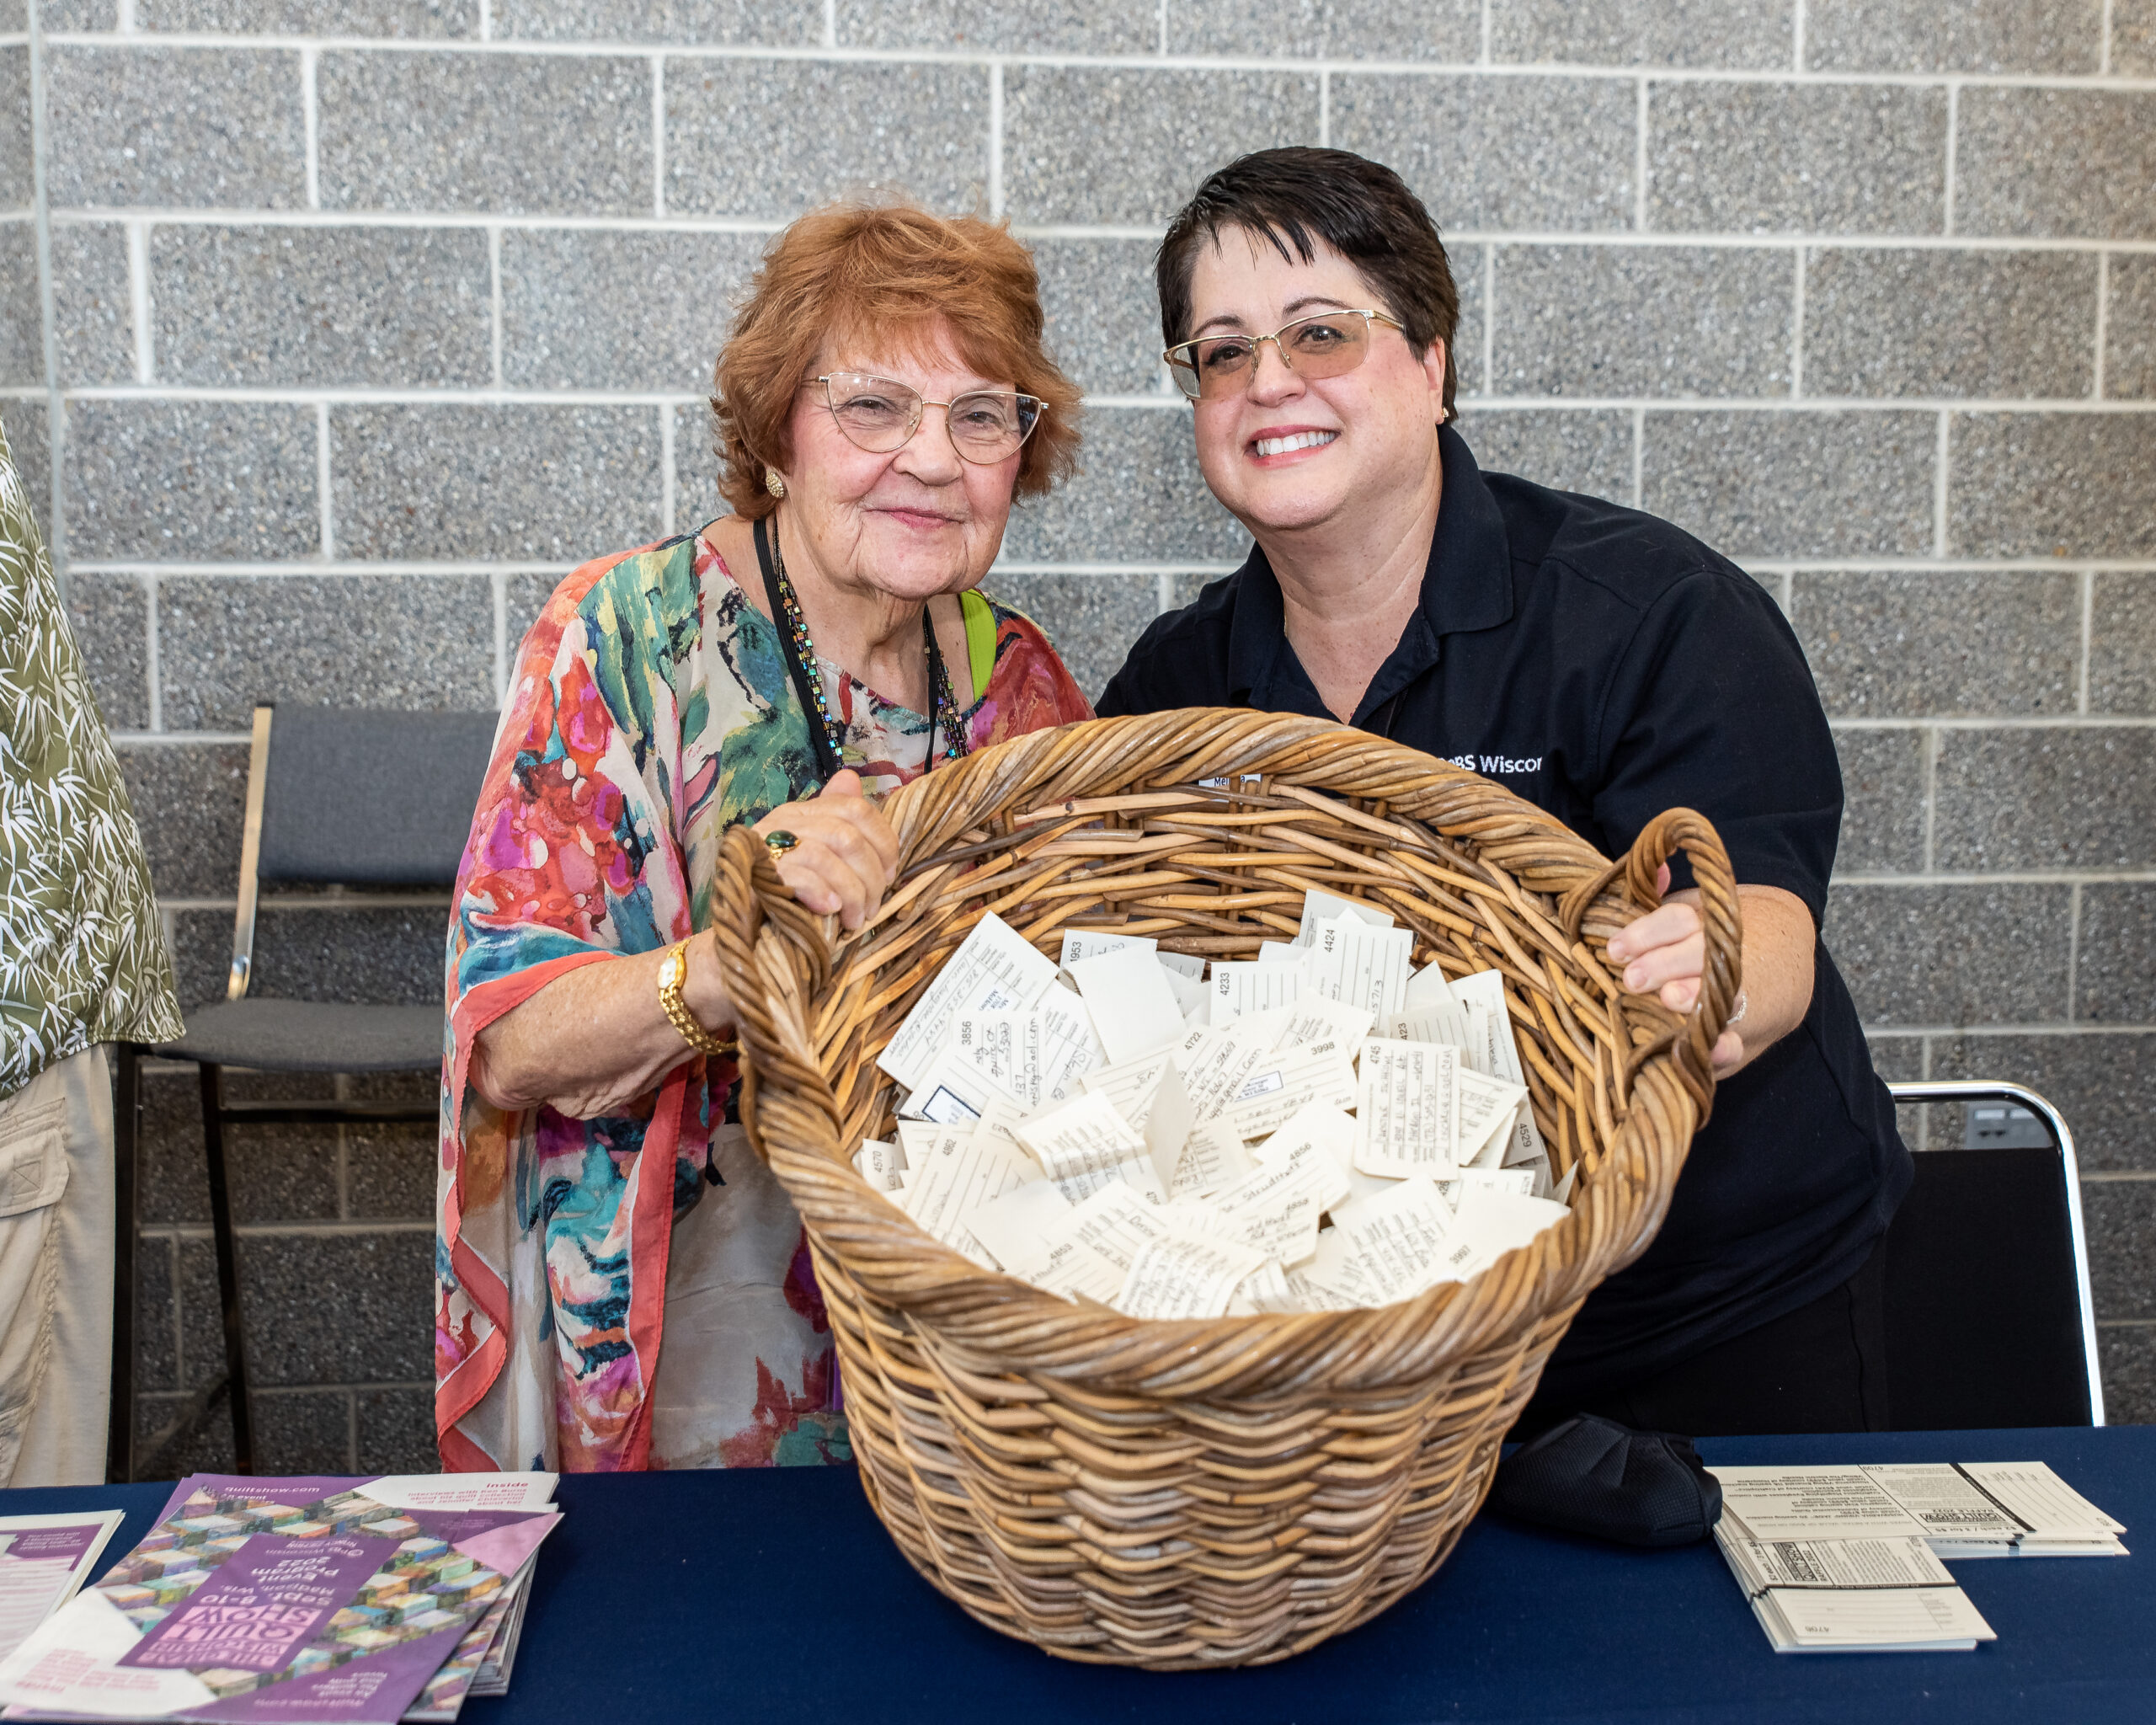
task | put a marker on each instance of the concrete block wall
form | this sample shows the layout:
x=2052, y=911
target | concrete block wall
x=334, y=334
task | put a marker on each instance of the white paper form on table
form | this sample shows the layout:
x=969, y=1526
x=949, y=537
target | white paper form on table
x=1394, y=1239
x=1020, y=1228
x=1812, y=1502
x=1761, y=1564
x=1085, y=1145
x=44, y=1559
x=1091, y=1250
x=996, y=969
x=1186, y=1275
x=2058, y=1517
x=1320, y=906
x=963, y=1171
x=1132, y=1007
x=1882, y=1620
x=1406, y=1110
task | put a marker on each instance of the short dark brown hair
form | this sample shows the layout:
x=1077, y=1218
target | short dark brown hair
x=883, y=272
x=1298, y=196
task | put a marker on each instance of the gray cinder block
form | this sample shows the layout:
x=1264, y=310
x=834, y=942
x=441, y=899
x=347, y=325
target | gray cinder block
x=188, y=480
x=2052, y=485
x=1003, y=26
x=517, y=483
x=1977, y=954
x=280, y=306
x=2056, y=163
x=1732, y=34
x=1570, y=448
x=1508, y=152
x=415, y=642
x=1918, y=643
x=499, y=132
x=1882, y=802
x=1809, y=485
x=824, y=129
x=1643, y=320
x=1933, y=323
x=2079, y=798
x=92, y=302
x=2115, y=983
x=584, y=308
x=1138, y=498
x=189, y=126
x=2052, y=36
x=1791, y=158
x=1128, y=144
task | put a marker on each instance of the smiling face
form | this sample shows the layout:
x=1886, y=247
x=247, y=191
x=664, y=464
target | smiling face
x=1287, y=453
x=916, y=521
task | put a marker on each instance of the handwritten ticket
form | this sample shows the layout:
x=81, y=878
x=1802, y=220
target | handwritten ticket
x=1406, y=1113
x=996, y=969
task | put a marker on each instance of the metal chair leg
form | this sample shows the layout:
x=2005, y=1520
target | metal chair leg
x=127, y=1146
x=220, y=1229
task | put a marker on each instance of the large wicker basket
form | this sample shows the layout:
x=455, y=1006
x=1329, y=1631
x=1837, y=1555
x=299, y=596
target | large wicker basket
x=1193, y=1494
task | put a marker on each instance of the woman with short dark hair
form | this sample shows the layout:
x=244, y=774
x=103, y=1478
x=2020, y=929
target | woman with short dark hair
x=881, y=399
x=1604, y=665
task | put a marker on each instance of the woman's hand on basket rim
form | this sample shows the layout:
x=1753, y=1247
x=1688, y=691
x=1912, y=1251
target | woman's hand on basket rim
x=1664, y=953
x=846, y=855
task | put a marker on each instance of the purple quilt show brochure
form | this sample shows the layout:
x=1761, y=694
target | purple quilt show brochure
x=263, y=1603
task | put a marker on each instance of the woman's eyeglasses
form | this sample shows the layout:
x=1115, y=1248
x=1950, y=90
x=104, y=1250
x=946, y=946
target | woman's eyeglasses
x=881, y=416
x=1323, y=344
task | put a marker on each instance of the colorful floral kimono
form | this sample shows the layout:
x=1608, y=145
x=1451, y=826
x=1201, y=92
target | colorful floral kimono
x=635, y=1292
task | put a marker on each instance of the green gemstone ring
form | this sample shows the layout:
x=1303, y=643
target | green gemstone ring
x=780, y=840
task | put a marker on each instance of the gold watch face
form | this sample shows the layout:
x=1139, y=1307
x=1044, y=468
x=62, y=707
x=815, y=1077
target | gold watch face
x=670, y=973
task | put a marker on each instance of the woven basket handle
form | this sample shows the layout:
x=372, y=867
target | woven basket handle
x=1721, y=918
x=747, y=898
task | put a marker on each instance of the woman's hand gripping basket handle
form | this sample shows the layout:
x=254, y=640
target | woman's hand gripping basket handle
x=748, y=898
x=1693, y=1039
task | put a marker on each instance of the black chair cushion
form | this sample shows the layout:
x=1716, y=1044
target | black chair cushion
x=1983, y=1313
x=380, y=799
x=311, y=1036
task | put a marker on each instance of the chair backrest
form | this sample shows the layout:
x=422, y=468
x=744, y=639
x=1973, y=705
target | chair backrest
x=1988, y=1317
x=358, y=798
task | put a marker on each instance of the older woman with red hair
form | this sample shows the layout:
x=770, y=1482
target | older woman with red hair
x=620, y=1282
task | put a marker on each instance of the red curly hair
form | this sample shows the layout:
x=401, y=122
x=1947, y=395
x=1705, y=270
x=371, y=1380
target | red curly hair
x=889, y=273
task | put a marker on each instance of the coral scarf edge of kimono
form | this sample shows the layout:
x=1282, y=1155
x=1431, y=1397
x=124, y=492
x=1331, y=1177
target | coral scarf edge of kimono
x=468, y=1382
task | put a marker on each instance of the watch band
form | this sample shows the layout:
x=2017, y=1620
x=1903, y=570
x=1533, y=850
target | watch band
x=671, y=975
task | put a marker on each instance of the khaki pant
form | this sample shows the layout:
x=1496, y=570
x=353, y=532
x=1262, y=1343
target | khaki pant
x=56, y=1275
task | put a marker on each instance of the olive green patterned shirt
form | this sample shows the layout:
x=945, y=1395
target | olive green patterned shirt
x=82, y=960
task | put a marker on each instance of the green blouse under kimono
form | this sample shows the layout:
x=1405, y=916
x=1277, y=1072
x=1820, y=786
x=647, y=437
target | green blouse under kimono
x=650, y=710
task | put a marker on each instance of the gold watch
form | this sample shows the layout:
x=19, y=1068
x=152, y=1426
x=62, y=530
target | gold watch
x=671, y=975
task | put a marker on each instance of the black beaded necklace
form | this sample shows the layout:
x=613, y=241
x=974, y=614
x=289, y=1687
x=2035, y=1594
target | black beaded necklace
x=826, y=735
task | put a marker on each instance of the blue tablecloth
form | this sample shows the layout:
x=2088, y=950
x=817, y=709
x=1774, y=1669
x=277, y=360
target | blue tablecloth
x=743, y=1599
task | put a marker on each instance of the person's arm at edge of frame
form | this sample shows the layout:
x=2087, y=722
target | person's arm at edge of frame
x=596, y=1038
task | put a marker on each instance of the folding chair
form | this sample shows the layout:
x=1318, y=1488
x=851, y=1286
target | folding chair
x=350, y=797
x=1989, y=1321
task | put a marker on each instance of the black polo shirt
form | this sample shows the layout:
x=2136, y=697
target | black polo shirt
x=1606, y=667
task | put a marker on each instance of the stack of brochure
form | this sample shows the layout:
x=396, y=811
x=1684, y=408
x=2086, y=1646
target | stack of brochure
x=1322, y=1128
x=1847, y=1559
x=43, y=1562
x=361, y=1600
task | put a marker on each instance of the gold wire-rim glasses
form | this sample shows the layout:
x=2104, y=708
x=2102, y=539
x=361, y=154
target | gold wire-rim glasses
x=984, y=446
x=1183, y=357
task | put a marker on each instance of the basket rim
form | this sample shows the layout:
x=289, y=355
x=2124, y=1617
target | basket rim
x=778, y=957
